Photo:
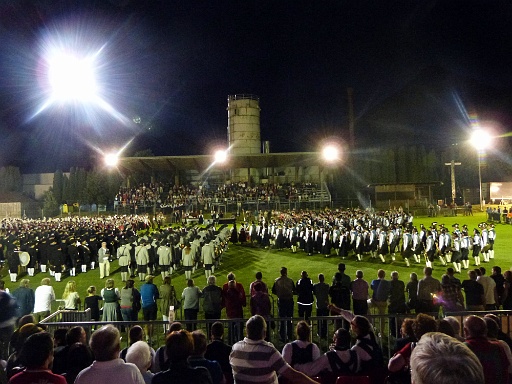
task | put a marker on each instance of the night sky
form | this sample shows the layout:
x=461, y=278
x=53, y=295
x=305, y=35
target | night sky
x=419, y=70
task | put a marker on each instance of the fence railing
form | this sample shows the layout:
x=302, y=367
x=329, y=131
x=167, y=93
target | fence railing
x=387, y=327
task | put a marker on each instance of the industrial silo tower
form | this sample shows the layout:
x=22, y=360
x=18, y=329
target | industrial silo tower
x=244, y=136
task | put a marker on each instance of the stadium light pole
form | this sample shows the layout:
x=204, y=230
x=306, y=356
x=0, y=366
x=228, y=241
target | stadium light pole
x=480, y=139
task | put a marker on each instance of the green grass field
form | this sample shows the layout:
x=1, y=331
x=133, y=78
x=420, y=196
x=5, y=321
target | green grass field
x=245, y=261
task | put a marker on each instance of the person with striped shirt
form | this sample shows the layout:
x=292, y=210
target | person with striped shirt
x=255, y=360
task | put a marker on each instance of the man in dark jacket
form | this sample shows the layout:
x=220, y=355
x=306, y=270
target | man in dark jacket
x=25, y=298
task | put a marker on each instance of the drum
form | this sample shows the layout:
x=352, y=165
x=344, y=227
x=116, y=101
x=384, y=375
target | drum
x=24, y=259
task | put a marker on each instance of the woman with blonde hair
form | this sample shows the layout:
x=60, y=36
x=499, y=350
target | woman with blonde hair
x=71, y=297
x=111, y=297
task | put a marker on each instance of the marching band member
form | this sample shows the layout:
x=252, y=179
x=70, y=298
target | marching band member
x=392, y=242
x=383, y=245
x=464, y=249
x=492, y=238
x=407, y=246
x=456, y=252
x=477, y=246
x=484, y=242
x=430, y=250
x=442, y=246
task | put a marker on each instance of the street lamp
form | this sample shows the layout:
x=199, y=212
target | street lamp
x=481, y=140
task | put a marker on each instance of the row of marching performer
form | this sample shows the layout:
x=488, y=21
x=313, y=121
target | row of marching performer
x=381, y=241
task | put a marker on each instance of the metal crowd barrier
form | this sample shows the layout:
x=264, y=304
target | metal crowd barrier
x=387, y=327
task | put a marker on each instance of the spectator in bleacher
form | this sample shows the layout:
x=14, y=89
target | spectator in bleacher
x=79, y=357
x=14, y=359
x=139, y=354
x=339, y=360
x=423, y=323
x=161, y=360
x=37, y=355
x=107, y=367
x=179, y=346
x=197, y=359
x=456, y=326
x=74, y=335
x=21, y=322
x=440, y=359
x=406, y=335
x=302, y=350
x=219, y=351
x=491, y=355
x=254, y=360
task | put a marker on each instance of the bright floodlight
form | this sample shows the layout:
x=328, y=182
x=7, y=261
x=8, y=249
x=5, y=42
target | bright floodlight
x=72, y=78
x=481, y=139
x=111, y=159
x=220, y=156
x=330, y=153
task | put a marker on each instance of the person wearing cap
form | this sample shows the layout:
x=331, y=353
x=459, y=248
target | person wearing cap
x=456, y=252
x=492, y=239
x=382, y=248
x=484, y=241
x=73, y=255
x=85, y=254
x=30, y=248
x=13, y=260
x=465, y=242
x=477, y=246
x=407, y=251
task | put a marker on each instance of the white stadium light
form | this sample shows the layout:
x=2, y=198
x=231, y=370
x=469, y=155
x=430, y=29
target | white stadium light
x=481, y=139
x=72, y=78
x=111, y=159
x=220, y=156
x=330, y=153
